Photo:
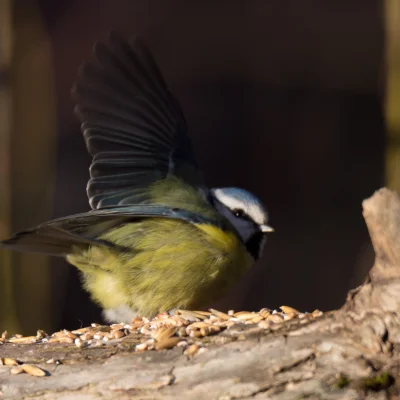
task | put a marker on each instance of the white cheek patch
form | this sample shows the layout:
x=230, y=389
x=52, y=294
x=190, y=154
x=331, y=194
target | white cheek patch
x=248, y=203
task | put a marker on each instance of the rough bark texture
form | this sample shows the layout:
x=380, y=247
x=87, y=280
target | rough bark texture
x=350, y=353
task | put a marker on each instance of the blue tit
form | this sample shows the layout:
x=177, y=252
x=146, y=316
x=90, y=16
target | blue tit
x=156, y=239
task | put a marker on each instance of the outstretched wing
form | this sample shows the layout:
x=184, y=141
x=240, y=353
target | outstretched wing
x=59, y=236
x=133, y=126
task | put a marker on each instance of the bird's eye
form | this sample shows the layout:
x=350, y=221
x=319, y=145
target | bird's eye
x=238, y=213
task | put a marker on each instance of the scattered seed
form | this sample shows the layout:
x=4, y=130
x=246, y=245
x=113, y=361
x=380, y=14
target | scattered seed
x=22, y=340
x=214, y=329
x=33, y=370
x=199, y=325
x=256, y=319
x=275, y=318
x=168, y=343
x=53, y=340
x=317, y=313
x=11, y=362
x=119, y=334
x=98, y=336
x=287, y=310
x=220, y=314
x=195, y=333
x=65, y=339
x=86, y=336
x=81, y=331
x=182, y=332
x=289, y=316
x=17, y=370
x=264, y=324
x=204, y=331
x=141, y=346
x=191, y=350
x=41, y=334
x=70, y=334
x=164, y=333
x=265, y=312
x=190, y=315
x=117, y=327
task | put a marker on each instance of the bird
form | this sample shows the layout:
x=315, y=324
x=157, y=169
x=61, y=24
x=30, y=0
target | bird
x=156, y=239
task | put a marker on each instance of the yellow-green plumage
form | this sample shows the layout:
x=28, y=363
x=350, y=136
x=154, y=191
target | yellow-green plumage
x=173, y=263
x=156, y=238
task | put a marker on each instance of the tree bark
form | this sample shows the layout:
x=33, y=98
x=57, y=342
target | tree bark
x=350, y=353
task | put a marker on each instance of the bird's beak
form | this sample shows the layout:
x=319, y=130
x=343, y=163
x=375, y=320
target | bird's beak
x=266, y=228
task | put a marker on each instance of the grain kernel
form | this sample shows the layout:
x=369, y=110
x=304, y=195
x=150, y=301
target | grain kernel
x=17, y=370
x=275, y=318
x=33, y=370
x=220, y=314
x=10, y=361
x=287, y=310
x=168, y=343
x=191, y=350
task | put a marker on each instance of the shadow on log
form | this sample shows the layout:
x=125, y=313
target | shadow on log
x=350, y=353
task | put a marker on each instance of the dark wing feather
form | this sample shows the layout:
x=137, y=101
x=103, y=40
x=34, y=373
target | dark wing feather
x=133, y=126
x=59, y=236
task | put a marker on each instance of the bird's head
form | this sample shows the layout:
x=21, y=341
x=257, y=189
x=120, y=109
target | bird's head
x=247, y=214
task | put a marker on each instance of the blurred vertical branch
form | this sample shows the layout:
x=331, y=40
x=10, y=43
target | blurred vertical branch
x=392, y=14
x=7, y=307
x=33, y=159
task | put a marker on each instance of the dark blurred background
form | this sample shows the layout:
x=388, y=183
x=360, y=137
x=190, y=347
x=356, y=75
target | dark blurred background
x=292, y=100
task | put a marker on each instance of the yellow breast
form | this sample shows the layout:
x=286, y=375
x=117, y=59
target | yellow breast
x=173, y=264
